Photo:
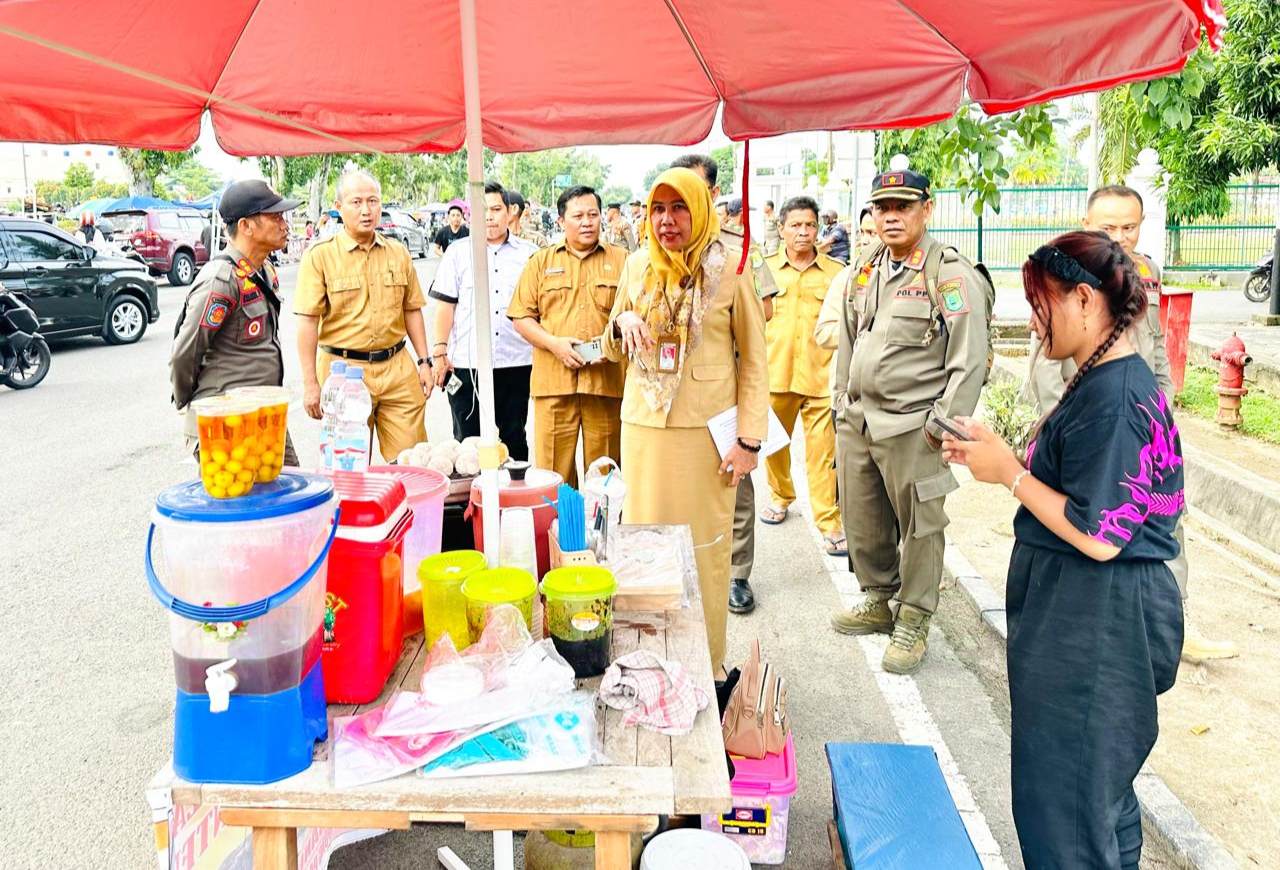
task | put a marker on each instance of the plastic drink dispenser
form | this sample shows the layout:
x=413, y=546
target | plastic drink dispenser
x=244, y=580
x=364, y=606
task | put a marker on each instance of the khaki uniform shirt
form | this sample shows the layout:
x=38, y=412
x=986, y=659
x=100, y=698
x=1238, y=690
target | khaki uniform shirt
x=530, y=233
x=1047, y=379
x=360, y=294
x=228, y=333
x=766, y=287
x=623, y=236
x=901, y=361
x=772, y=234
x=797, y=363
x=571, y=297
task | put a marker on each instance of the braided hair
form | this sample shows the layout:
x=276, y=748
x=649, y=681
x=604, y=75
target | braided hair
x=1118, y=281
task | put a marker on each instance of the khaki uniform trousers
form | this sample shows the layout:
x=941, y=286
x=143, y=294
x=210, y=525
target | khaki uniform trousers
x=891, y=498
x=819, y=456
x=557, y=421
x=398, y=402
x=673, y=476
x=744, y=531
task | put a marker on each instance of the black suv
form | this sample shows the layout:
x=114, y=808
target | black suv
x=72, y=289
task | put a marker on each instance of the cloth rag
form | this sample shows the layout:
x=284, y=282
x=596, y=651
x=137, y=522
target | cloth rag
x=652, y=692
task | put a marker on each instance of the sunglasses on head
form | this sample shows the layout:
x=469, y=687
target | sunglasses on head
x=1063, y=266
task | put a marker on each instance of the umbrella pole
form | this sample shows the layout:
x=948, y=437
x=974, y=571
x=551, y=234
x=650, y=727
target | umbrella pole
x=482, y=328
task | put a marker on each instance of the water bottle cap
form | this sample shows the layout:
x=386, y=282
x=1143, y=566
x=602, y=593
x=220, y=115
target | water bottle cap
x=355, y=373
x=337, y=367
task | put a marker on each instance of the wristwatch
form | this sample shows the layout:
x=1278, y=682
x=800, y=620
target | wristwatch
x=424, y=360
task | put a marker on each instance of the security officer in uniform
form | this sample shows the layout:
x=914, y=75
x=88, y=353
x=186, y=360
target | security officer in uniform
x=617, y=230
x=563, y=298
x=742, y=598
x=228, y=332
x=913, y=349
x=1117, y=211
x=523, y=224
x=358, y=299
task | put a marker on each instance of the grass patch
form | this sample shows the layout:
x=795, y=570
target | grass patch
x=1261, y=411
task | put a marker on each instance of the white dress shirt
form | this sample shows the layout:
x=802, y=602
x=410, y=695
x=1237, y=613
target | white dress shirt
x=454, y=283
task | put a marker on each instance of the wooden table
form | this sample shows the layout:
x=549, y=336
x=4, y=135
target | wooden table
x=648, y=775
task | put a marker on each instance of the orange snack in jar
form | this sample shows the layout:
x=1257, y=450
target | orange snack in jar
x=223, y=424
x=265, y=448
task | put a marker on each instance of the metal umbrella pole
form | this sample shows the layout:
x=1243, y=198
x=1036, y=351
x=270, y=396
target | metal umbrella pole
x=489, y=456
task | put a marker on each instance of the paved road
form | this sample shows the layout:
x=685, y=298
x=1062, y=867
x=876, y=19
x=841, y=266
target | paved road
x=1210, y=306
x=86, y=690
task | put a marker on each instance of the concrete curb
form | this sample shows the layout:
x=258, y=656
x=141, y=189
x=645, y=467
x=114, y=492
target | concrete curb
x=1168, y=815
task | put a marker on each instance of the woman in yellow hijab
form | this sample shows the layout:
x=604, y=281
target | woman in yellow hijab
x=691, y=330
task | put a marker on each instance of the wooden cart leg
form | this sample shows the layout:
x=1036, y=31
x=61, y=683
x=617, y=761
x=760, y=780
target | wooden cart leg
x=613, y=850
x=275, y=849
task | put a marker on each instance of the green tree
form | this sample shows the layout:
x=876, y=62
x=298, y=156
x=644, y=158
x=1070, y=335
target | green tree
x=103, y=189
x=617, y=193
x=652, y=175
x=814, y=167
x=726, y=168
x=965, y=151
x=534, y=173
x=78, y=182
x=144, y=167
x=193, y=180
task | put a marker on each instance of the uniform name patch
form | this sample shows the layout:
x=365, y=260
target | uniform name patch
x=556, y=270
x=911, y=292
x=215, y=311
x=954, y=300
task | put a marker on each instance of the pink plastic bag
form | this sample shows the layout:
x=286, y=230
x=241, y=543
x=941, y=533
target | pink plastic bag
x=360, y=758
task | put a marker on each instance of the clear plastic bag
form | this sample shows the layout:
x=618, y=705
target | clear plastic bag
x=653, y=563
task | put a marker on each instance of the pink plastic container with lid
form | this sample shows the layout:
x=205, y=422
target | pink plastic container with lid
x=425, y=490
x=762, y=790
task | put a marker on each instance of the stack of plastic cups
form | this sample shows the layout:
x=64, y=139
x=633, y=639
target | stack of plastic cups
x=273, y=415
x=229, y=448
x=518, y=549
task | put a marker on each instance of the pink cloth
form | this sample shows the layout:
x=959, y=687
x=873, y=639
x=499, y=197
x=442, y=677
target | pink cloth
x=655, y=693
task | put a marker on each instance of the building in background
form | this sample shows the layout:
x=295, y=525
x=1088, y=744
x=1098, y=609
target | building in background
x=50, y=162
x=786, y=166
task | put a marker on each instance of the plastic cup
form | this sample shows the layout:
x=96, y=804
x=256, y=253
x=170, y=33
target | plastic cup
x=228, y=430
x=444, y=610
x=580, y=615
x=273, y=418
x=485, y=590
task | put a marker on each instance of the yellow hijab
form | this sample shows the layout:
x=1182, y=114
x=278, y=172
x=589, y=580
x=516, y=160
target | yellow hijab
x=671, y=267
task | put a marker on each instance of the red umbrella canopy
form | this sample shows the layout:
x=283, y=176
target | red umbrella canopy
x=288, y=77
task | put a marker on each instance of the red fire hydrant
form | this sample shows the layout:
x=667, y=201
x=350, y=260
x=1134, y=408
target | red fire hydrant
x=1231, y=388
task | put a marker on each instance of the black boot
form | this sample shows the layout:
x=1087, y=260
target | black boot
x=741, y=598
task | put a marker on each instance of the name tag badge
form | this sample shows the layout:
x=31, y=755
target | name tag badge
x=453, y=384
x=555, y=270
x=668, y=354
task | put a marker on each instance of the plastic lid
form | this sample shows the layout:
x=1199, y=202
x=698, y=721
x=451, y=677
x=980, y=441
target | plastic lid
x=499, y=585
x=337, y=366
x=579, y=581
x=452, y=565
x=418, y=482
x=267, y=395
x=354, y=373
x=538, y=483
x=367, y=499
x=290, y=493
x=224, y=406
x=771, y=775
x=693, y=847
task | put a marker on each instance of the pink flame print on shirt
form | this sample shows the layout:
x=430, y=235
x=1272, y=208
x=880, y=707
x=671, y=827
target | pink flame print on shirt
x=1156, y=460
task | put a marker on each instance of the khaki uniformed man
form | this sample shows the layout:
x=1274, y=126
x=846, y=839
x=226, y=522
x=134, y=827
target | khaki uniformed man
x=228, y=332
x=772, y=230
x=564, y=297
x=800, y=371
x=742, y=598
x=523, y=223
x=1117, y=211
x=358, y=299
x=909, y=353
x=617, y=230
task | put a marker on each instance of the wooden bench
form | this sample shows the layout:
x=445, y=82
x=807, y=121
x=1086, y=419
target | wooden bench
x=648, y=774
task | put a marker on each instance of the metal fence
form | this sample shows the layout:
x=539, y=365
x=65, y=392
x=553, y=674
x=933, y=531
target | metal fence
x=1030, y=216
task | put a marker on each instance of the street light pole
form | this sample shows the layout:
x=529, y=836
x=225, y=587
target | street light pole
x=1275, y=273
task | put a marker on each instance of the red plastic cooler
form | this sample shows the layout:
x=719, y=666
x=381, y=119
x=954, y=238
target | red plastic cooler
x=364, y=607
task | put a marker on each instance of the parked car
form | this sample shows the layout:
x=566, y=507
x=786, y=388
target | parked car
x=72, y=287
x=404, y=228
x=172, y=242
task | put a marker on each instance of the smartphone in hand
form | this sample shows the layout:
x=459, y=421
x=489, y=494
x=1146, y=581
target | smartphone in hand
x=939, y=426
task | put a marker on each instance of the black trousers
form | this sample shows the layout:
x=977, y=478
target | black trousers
x=510, y=407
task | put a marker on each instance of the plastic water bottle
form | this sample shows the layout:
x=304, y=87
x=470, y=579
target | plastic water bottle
x=351, y=441
x=330, y=397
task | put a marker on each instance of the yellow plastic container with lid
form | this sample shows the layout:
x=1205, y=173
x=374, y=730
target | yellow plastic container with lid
x=227, y=427
x=580, y=615
x=487, y=589
x=272, y=421
x=443, y=607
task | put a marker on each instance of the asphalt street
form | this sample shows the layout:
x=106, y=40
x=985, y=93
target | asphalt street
x=86, y=692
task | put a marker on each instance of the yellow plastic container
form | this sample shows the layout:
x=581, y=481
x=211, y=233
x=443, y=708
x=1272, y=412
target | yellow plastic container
x=444, y=609
x=229, y=459
x=485, y=590
x=273, y=418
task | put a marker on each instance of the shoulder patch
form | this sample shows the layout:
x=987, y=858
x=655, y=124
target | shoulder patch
x=954, y=299
x=916, y=260
x=216, y=311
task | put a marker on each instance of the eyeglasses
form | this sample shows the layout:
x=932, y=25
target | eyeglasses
x=1063, y=266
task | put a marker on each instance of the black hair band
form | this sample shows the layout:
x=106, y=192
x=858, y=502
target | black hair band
x=1063, y=266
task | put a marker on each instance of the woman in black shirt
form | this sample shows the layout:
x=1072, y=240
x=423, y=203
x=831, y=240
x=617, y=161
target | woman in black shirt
x=1095, y=617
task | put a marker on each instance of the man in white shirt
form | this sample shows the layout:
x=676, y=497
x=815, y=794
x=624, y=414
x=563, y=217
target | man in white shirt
x=454, y=348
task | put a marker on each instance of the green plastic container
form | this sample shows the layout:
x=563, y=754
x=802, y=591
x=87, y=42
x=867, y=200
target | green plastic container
x=487, y=589
x=579, y=615
x=444, y=609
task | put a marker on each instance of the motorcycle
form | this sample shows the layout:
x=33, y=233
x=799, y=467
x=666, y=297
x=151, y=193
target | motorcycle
x=24, y=354
x=1257, y=287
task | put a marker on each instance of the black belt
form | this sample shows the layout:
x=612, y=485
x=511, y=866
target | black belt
x=365, y=355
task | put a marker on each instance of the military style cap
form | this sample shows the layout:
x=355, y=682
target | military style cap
x=734, y=205
x=246, y=198
x=899, y=184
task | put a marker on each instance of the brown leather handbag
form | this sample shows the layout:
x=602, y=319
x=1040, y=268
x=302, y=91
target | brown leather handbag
x=755, y=722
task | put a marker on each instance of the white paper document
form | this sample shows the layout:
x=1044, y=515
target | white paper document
x=724, y=431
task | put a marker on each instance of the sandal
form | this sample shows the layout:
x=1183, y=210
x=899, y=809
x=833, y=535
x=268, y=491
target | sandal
x=836, y=545
x=773, y=515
